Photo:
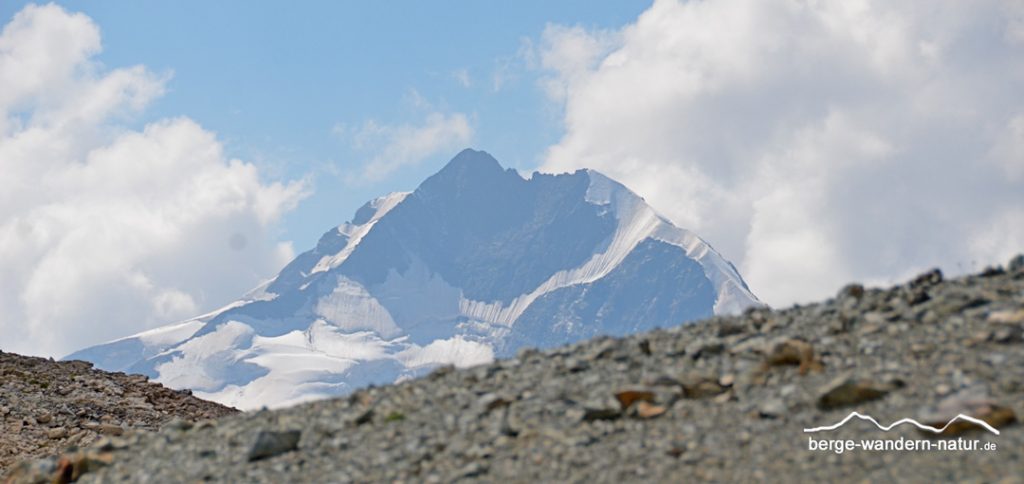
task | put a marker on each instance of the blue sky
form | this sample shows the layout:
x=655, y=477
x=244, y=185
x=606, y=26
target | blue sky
x=160, y=159
x=272, y=80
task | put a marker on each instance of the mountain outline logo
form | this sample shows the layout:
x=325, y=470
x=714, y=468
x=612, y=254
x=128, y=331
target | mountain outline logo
x=908, y=420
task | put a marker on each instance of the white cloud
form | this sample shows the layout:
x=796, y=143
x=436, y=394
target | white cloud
x=106, y=231
x=811, y=142
x=392, y=147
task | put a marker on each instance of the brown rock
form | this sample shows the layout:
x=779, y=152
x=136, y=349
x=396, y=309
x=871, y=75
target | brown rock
x=627, y=398
x=855, y=291
x=697, y=386
x=845, y=391
x=111, y=429
x=794, y=352
x=648, y=410
x=57, y=433
x=1007, y=316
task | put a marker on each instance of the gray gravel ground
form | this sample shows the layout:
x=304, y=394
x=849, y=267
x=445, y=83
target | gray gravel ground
x=726, y=399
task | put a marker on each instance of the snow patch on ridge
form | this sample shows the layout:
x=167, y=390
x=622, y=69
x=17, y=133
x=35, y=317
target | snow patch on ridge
x=355, y=233
x=196, y=363
x=457, y=351
x=637, y=222
x=351, y=308
x=325, y=361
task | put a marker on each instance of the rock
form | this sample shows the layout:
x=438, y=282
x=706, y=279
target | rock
x=628, y=397
x=730, y=328
x=590, y=414
x=991, y=271
x=1008, y=334
x=111, y=429
x=178, y=424
x=845, y=391
x=491, y=401
x=1011, y=316
x=364, y=417
x=575, y=365
x=273, y=443
x=772, y=408
x=57, y=433
x=1016, y=264
x=699, y=386
x=855, y=291
x=927, y=279
x=794, y=352
x=646, y=409
x=701, y=349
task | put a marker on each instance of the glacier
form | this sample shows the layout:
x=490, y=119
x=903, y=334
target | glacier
x=474, y=264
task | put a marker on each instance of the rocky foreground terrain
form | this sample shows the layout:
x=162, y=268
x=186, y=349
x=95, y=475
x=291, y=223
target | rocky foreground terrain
x=726, y=399
x=47, y=406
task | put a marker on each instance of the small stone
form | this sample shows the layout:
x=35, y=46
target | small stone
x=602, y=350
x=44, y=418
x=575, y=365
x=648, y=410
x=1016, y=264
x=772, y=408
x=178, y=424
x=57, y=433
x=699, y=386
x=1007, y=317
x=727, y=380
x=855, y=291
x=111, y=429
x=794, y=352
x=662, y=381
x=992, y=271
x=645, y=347
x=1008, y=334
x=627, y=398
x=590, y=414
x=271, y=443
x=701, y=349
x=364, y=417
x=491, y=401
x=107, y=444
x=730, y=329
x=845, y=391
x=927, y=279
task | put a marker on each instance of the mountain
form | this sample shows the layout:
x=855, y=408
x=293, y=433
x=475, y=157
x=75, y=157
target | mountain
x=474, y=264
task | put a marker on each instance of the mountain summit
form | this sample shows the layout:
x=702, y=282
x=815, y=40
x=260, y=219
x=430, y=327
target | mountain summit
x=474, y=264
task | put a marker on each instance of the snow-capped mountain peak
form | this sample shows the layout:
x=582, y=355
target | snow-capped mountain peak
x=475, y=263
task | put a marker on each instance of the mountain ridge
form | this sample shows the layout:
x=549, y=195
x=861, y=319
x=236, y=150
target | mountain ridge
x=475, y=263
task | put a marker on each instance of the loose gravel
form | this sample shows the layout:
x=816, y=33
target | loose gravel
x=725, y=399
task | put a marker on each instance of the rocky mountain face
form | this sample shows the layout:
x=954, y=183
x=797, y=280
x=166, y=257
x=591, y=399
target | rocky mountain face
x=727, y=399
x=46, y=406
x=474, y=264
